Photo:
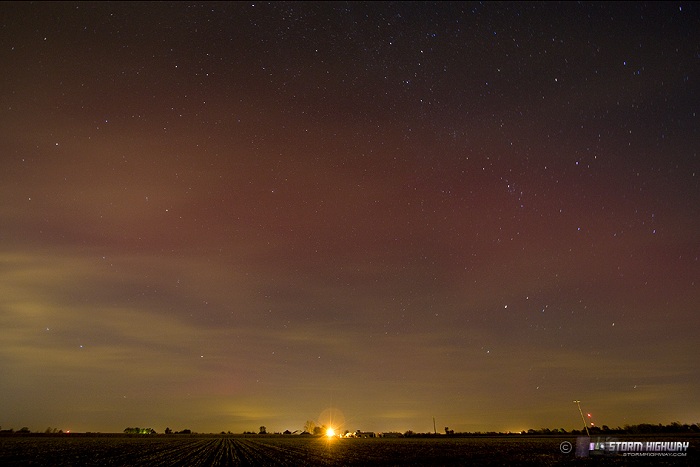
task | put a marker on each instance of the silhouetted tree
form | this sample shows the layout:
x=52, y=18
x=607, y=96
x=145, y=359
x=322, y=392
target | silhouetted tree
x=309, y=426
x=263, y=430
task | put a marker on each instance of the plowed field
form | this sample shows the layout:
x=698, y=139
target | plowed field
x=296, y=451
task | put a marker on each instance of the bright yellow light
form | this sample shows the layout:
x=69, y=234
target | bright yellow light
x=330, y=432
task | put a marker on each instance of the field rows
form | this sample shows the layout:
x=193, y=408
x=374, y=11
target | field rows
x=120, y=451
x=292, y=451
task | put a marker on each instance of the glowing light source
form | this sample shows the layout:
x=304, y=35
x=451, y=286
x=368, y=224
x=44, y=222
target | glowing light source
x=330, y=432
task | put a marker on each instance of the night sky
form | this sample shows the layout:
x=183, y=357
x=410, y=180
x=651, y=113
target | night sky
x=225, y=215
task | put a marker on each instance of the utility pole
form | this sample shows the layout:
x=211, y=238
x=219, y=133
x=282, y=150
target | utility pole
x=578, y=404
x=434, y=429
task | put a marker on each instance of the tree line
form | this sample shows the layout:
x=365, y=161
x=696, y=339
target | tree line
x=310, y=428
x=638, y=429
